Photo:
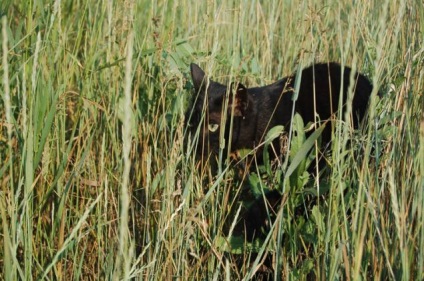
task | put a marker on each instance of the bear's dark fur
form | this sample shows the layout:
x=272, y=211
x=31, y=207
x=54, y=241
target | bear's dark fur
x=256, y=110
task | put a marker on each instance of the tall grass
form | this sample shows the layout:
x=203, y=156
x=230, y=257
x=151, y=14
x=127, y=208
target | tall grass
x=95, y=179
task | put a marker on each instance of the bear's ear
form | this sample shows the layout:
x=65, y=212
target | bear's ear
x=198, y=76
x=241, y=99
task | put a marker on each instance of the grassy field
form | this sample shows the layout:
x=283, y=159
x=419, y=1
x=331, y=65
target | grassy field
x=97, y=184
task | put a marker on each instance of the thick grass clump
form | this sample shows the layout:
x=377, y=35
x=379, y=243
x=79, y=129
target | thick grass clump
x=96, y=182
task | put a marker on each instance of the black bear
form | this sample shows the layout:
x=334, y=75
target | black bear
x=251, y=112
x=235, y=117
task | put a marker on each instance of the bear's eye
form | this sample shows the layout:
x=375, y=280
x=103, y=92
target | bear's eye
x=213, y=127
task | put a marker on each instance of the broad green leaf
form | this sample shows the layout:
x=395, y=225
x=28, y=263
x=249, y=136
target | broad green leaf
x=303, y=151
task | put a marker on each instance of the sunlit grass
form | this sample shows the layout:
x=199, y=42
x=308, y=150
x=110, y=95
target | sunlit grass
x=96, y=182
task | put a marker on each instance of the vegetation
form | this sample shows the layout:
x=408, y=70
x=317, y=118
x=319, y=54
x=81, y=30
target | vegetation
x=97, y=184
